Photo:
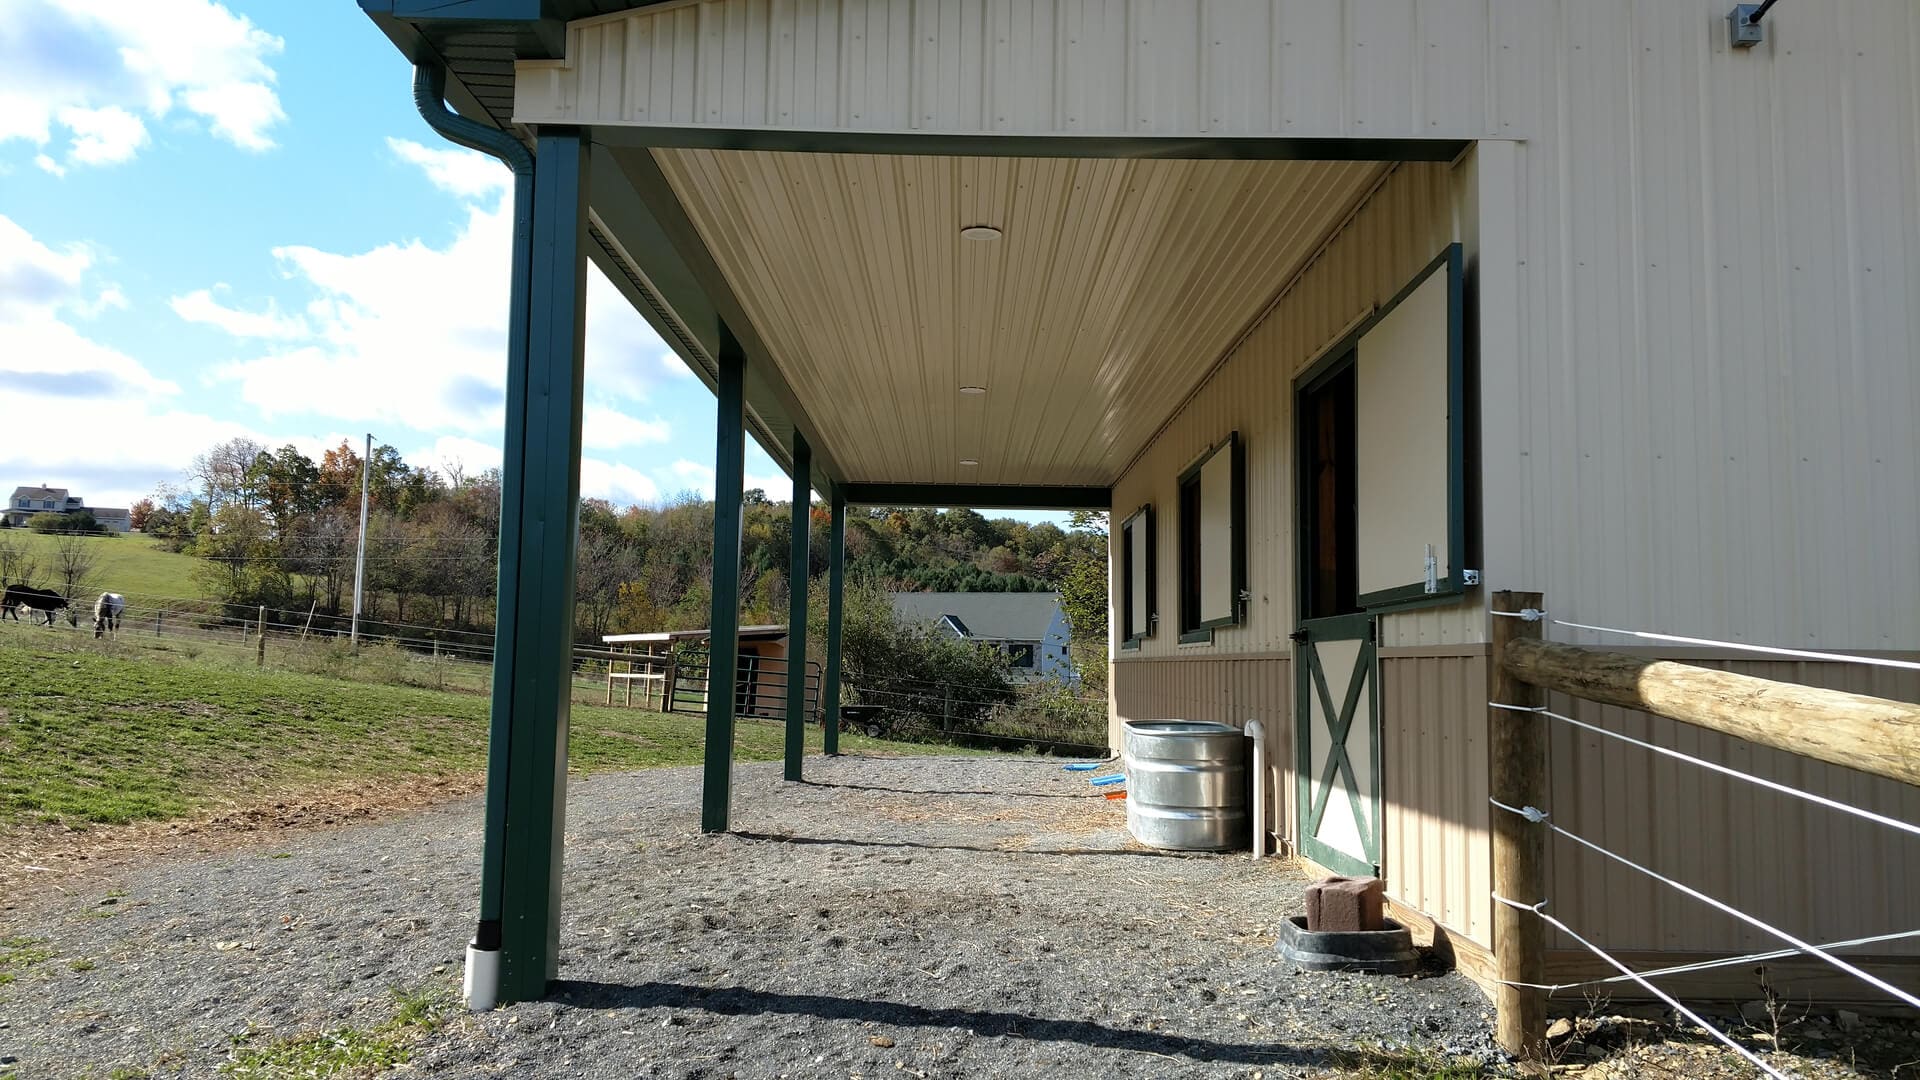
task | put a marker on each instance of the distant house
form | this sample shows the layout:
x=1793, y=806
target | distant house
x=28, y=501
x=1029, y=627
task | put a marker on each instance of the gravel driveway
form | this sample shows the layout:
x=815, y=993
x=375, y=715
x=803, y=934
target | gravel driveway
x=947, y=917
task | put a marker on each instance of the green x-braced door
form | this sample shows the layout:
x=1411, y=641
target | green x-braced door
x=1337, y=731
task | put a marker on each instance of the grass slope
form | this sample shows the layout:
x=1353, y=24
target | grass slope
x=131, y=565
x=87, y=737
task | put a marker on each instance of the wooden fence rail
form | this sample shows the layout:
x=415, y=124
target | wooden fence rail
x=1872, y=735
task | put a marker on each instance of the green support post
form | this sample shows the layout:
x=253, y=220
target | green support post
x=540, y=513
x=836, y=586
x=797, y=607
x=723, y=648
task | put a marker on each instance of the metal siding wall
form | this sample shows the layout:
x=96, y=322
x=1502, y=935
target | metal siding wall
x=1412, y=217
x=1433, y=753
x=1815, y=872
x=1226, y=691
x=1718, y=249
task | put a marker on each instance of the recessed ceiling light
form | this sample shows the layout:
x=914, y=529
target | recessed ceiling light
x=969, y=461
x=980, y=232
x=973, y=389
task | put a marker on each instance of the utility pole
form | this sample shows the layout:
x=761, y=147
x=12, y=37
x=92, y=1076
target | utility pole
x=360, y=558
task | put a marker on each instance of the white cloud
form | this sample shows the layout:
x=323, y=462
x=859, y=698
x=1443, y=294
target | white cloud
x=98, y=71
x=106, y=136
x=457, y=171
x=199, y=306
x=674, y=366
x=694, y=476
x=617, y=483
x=603, y=428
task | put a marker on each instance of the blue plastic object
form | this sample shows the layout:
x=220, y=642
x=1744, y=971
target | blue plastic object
x=1102, y=780
x=1082, y=766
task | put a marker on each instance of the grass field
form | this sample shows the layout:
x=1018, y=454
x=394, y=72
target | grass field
x=131, y=565
x=91, y=737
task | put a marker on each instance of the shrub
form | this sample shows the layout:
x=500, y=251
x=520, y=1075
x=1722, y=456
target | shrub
x=78, y=521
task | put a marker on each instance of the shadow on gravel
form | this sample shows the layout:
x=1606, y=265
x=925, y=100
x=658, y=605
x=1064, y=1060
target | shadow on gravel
x=948, y=791
x=776, y=838
x=740, y=1001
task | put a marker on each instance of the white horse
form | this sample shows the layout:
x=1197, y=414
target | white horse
x=106, y=612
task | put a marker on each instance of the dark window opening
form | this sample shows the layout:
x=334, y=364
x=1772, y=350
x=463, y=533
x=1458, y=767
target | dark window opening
x=1190, y=553
x=1329, y=496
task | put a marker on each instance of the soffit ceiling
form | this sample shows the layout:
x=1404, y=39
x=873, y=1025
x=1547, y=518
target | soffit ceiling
x=1113, y=289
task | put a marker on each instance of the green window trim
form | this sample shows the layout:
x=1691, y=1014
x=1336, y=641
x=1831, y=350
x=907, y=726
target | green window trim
x=1452, y=585
x=1131, y=635
x=1193, y=629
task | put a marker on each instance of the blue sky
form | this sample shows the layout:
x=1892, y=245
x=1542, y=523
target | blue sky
x=228, y=220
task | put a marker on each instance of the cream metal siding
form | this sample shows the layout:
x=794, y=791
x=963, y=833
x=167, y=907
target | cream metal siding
x=1438, y=849
x=1411, y=218
x=1702, y=355
x=1113, y=288
x=1401, y=418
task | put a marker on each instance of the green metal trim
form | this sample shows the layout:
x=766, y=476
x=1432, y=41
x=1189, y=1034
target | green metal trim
x=1144, y=516
x=1202, y=636
x=429, y=97
x=1452, y=586
x=985, y=496
x=538, y=633
x=836, y=603
x=723, y=646
x=1312, y=798
x=1237, y=513
x=1172, y=148
x=798, y=560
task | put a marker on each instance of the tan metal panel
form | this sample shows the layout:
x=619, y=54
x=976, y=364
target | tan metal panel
x=1103, y=300
x=1438, y=853
x=1389, y=239
x=1812, y=871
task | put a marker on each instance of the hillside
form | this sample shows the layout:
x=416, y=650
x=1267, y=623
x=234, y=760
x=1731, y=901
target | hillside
x=134, y=566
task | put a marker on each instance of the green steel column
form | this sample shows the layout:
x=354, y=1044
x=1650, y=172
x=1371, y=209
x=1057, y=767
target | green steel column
x=540, y=513
x=836, y=583
x=797, y=556
x=723, y=654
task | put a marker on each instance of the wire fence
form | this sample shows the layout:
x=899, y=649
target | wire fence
x=1529, y=668
x=1045, y=716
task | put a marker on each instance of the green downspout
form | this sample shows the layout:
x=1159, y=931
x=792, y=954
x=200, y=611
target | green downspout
x=429, y=96
x=836, y=583
x=797, y=559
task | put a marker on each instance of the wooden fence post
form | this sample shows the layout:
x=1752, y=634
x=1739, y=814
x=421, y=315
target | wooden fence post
x=1518, y=778
x=260, y=656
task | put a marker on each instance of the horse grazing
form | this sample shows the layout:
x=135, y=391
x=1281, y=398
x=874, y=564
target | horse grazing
x=106, y=612
x=46, y=600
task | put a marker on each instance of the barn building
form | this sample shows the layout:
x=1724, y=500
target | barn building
x=1349, y=312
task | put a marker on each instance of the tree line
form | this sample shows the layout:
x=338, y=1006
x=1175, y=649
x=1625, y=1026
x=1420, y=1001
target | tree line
x=279, y=529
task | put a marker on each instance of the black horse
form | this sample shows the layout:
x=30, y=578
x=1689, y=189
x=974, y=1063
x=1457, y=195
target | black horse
x=18, y=596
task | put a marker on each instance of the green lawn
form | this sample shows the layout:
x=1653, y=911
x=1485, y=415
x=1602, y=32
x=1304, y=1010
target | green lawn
x=131, y=565
x=89, y=737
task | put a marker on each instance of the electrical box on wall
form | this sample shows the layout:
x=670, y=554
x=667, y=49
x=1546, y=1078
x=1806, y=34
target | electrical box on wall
x=1746, y=33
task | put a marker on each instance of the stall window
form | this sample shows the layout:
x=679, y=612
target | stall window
x=1137, y=614
x=1212, y=567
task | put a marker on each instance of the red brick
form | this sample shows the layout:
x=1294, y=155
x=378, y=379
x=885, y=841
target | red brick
x=1346, y=903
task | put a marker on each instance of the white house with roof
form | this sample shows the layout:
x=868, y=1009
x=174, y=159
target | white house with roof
x=1030, y=627
x=28, y=501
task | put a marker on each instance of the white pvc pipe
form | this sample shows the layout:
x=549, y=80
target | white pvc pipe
x=482, y=988
x=1259, y=736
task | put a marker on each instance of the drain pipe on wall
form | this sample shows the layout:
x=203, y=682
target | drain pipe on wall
x=482, y=985
x=1259, y=736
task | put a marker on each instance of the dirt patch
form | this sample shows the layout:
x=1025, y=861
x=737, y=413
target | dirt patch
x=40, y=864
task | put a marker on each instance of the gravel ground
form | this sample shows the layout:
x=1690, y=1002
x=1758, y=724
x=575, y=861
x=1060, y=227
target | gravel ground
x=933, y=917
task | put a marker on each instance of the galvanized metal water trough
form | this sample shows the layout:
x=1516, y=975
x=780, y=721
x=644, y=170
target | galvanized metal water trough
x=1186, y=784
